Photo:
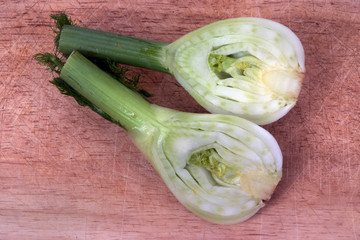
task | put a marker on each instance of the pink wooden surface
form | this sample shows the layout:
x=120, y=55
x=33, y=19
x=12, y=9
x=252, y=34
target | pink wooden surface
x=65, y=173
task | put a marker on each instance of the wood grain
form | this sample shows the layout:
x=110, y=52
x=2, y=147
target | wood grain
x=65, y=173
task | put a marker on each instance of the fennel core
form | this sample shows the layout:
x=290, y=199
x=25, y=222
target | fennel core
x=253, y=181
x=186, y=149
x=249, y=67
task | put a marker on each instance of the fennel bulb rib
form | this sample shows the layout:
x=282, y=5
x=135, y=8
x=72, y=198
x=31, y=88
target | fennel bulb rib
x=249, y=67
x=220, y=167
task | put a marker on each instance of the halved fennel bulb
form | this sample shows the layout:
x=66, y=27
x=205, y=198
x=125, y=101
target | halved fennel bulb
x=250, y=67
x=221, y=167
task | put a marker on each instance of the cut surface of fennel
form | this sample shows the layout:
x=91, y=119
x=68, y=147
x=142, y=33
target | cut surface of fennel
x=221, y=167
x=249, y=67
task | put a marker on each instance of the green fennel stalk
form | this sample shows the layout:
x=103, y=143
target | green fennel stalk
x=250, y=67
x=221, y=167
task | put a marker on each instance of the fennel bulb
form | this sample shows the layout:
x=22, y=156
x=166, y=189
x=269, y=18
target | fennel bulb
x=221, y=167
x=249, y=67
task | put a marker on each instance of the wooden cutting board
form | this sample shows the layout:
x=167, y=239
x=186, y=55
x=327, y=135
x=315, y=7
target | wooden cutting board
x=65, y=173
